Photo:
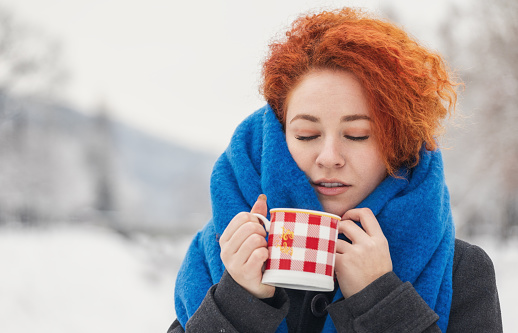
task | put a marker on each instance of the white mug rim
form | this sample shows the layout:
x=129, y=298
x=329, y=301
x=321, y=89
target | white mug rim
x=305, y=211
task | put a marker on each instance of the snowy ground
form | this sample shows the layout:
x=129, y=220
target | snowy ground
x=87, y=279
x=79, y=280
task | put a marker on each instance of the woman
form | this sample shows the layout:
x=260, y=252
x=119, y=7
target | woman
x=354, y=109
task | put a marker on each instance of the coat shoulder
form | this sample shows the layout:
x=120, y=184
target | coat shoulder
x=475, y=305
x=471, y=256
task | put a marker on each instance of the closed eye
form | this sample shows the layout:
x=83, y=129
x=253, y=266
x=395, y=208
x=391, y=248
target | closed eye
x=356, y=138
x=306, y=138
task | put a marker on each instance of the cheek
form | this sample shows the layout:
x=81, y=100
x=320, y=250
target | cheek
x=371, y=165
x=376, y=170
x=300, y=154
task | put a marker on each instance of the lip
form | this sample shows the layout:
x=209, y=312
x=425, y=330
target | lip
x=330, y=191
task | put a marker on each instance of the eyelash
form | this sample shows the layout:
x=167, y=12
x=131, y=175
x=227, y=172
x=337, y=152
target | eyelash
x=352, y=138
x=306, y=138
x=357, y=138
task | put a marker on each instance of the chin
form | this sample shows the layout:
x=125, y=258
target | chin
x=337, y=207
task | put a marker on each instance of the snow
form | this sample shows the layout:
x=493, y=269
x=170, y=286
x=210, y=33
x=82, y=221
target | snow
x=85, y=279
x=91, y=279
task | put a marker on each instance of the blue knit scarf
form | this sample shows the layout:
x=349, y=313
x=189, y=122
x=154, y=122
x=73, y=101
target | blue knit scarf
x=413, y=211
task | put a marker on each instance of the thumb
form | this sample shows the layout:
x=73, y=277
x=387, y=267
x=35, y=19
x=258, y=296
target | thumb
x=260, y=206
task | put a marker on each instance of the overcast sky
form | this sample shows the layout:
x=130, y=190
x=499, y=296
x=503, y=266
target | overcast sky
x=186, y=71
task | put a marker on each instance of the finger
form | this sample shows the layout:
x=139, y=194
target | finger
x=352, y=231
x=242, y=234
x=256, y=259
x=247, y=248
x=366, y=218
x=260, y=206
x=235, y=224
x=342, y=246
x=253, y=249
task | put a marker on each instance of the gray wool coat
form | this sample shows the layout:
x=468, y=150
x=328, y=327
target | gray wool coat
x=386, y=305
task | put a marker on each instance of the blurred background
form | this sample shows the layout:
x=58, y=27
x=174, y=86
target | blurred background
x=112, y=114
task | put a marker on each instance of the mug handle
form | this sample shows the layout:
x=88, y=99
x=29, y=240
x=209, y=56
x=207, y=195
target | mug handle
x=266, y=222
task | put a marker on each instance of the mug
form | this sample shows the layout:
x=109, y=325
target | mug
x=301, y=249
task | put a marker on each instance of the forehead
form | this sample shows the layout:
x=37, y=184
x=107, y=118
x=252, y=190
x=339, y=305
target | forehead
x=327, y=93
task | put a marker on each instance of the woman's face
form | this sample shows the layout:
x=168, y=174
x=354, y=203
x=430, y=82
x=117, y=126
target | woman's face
x=329, y=135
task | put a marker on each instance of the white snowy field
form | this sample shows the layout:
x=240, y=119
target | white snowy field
x=88, y=279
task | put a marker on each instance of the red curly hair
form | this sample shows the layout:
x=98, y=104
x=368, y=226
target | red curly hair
x=408, y=87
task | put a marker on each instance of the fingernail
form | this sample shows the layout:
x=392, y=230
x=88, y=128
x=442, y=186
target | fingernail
x=262, y=197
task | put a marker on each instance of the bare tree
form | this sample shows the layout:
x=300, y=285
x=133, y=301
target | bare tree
x=101, y=153
x=29, y=61
x=482, y=41
x=29, y=67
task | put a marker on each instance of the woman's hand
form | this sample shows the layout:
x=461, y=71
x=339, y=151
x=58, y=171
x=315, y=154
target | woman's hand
x=244, y=250
x=365, y=259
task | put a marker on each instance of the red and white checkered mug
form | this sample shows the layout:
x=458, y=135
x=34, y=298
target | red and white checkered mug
x=301, y=249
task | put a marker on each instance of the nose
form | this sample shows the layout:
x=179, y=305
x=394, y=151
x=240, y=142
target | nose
x=331, y=154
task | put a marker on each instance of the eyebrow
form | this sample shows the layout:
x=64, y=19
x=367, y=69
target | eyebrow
x=354, y=117
x=348, y=118
x=304, y=116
